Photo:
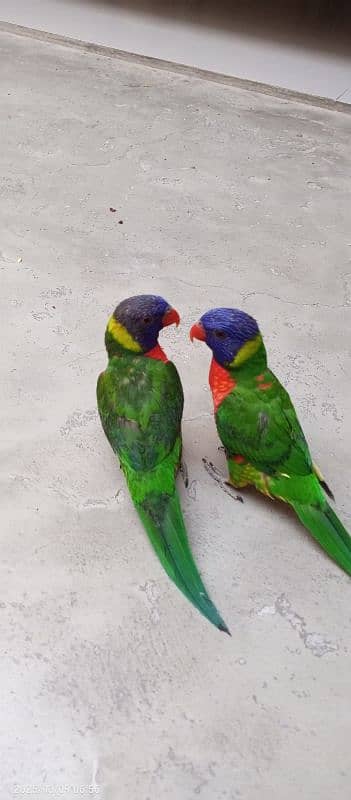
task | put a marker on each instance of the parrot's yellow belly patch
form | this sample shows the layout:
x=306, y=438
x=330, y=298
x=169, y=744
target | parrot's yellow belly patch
x=244, y=474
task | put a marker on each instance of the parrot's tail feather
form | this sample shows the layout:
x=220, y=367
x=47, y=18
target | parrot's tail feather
x=325, y=526
x=323, y=482
x=162, y=518
x=327, y=489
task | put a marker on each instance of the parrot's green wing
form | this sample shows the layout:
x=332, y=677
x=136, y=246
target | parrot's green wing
x=260, y=426
x=140, y=402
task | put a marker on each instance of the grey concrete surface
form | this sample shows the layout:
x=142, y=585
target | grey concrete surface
x=109, y=679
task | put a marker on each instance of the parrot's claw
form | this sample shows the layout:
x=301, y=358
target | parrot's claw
x=183, y=469
x=222, y=482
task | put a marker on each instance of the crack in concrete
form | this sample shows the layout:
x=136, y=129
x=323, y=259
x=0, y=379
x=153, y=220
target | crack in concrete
x=294, y=302
x=204, y=415
x=245, y=295
x=203, y=285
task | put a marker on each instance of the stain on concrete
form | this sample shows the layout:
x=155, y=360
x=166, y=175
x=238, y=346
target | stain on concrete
x=316, y=642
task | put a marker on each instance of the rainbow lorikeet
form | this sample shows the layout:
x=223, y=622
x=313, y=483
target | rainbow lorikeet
x=140, y=402
x=257, y=424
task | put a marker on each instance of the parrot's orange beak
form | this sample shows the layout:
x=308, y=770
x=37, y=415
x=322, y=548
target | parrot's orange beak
x=197, y=332
x=171, y=317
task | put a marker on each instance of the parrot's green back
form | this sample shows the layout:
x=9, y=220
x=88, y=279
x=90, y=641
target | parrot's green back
x=140, y=402
x=266, y=447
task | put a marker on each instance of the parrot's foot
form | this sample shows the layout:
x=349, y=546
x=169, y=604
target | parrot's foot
x=183, y=469
x=217, y=476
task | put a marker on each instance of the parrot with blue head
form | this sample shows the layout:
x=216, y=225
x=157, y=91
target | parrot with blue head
x=140, y=403
x=259, y=429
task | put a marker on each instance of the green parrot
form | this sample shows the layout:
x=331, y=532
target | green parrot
x=257, y=424
x=140, y=402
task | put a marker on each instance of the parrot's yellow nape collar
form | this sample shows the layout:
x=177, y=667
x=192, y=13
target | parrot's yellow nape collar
x=247, y=351
x=121, y=335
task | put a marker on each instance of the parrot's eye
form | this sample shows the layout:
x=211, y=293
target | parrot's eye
x=220, y=334
x=146, y=320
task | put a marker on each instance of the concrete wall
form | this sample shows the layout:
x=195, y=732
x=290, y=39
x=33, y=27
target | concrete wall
x=293, y=45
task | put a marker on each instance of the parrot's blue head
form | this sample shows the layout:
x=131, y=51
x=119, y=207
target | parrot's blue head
x=136, y=323
x=231, y=334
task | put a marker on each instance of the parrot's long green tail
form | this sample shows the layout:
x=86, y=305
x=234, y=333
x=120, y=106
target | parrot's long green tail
x=162, y=518
x=325, y=526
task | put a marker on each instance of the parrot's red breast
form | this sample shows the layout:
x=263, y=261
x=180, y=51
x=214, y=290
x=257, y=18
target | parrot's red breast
x=221, y=383
x=158, y=354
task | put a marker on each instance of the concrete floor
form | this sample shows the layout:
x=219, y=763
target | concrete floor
x=110, y=680
x=278, y=48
